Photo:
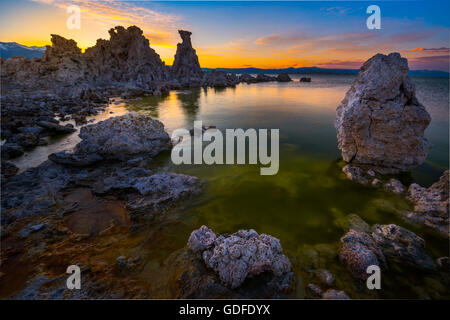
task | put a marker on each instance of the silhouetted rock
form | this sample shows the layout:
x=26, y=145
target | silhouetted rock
x=217, y=78
x=185, y=66
x=305, y=79
x=380, y=123
x=283, y=77
x=247, y=78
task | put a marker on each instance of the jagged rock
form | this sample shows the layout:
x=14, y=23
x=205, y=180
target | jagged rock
x=395, y=186
x=217, y=78
x=431, y=205
x=358, y=252
x=283, y=77
x=126, y=57
x=264, y=78
x=76, y=160
x=305, y=79
x=380, y=123
x=8, y=170
x=243, y=254
x=11, y=150
x=185, y=65
x=201, y=239
x=247, y=78
x=55, y=128
x=335, y=295
x=402, y=246
x=355, y=174
x=123, y=137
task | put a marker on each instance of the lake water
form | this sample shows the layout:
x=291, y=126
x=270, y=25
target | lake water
x=304, y=203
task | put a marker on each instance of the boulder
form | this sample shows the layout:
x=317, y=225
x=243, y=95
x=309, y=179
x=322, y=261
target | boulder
x=124, y=137
x=358, y=252
x=283, y=77
x=11, y=150
x=243, y=254
x=431, y=205
x=264, y=78
x=380, y=123
x=402, y=246
x=305, y=79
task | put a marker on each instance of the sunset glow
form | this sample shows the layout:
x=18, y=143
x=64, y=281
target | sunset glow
x=248, y=34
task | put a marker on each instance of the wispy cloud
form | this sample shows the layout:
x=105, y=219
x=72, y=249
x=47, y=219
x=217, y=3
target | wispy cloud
x=431, y=50
x=160, y=28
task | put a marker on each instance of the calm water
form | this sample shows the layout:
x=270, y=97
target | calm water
x=303, y=204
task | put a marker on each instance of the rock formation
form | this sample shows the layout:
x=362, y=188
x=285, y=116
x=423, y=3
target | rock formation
x=124, y=137
x=431, y=205
x=283, y=77
x=186, y=67
x=385, y=245
x=126, y=57
x=244, y=253
x=380, y=123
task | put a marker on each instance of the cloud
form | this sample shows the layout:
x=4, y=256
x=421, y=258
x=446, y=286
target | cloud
x=160, y=28
x=431, y=50
x=338, y=10
x=280, y=40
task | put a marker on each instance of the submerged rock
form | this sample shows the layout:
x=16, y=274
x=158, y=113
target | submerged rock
x=356, y=174
x=123, y=137
x=243, y=254
x=380, y=123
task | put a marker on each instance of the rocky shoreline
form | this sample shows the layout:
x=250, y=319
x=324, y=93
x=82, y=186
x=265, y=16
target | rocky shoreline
x=68, y=84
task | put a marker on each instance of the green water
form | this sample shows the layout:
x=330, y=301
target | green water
x=302, y=204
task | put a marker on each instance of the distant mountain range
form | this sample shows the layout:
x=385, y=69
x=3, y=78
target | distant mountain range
x=11, y=49
x=317, y=70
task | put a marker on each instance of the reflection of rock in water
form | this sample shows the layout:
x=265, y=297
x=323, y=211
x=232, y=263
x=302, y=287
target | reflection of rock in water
x=189, y=102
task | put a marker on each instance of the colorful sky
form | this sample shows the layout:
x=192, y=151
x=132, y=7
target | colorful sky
x=265, y=34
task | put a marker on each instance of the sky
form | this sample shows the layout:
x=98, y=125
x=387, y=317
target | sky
x=232, y=34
